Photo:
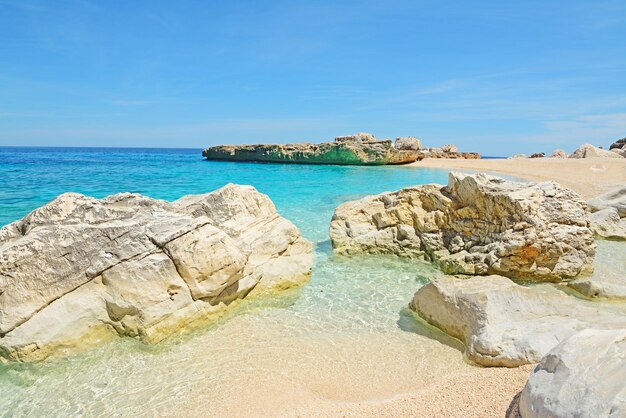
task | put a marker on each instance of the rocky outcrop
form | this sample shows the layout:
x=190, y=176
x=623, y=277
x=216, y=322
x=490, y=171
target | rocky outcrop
x=505, y=324
x=584, y=376
x=538, y=155
x=79, y=270
x=359, y=149
x=558, y=153
x=478, y=224
x=408, y=143
x=589, y=151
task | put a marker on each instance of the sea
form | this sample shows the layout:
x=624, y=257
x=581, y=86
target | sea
x=345, y=337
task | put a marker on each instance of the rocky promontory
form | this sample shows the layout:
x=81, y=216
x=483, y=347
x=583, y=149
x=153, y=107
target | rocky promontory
x=476, y=225
x=80, y=270
x=358, y=149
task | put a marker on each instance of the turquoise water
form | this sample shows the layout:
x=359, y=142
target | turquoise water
x=306, y=195
x=330, y=338
x=345, y=338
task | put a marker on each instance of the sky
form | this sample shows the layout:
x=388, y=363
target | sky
x=496, y=77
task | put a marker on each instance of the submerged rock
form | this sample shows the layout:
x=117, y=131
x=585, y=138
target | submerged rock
x=79, y=269
x=478, y=224
x=359, y=149
x=584, y=376
x=506, y=324
x=589, y=151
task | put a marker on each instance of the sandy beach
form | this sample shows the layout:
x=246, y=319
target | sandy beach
x=587, y=176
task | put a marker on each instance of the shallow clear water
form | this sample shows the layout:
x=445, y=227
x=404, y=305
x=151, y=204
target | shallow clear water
x=344, y=337
x=332, y=327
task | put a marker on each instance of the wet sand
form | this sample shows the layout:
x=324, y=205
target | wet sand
x=588, y=176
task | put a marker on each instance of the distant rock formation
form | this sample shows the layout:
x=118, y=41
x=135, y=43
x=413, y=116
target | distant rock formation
x=447, y=151
x=538, y=155
x=619, y=147
x=503, y=323
x=589, y=151
x=477, y=225
x=583, y=376
x=358, y=149
x=408, y=143
x=619, y=144
x=79, y=270
x=558, y=153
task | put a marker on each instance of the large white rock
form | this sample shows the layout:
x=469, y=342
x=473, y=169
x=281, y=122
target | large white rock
x=506, y=324
x=589, y=151
x=478, y=224
x=79, y=269
x=584, y=376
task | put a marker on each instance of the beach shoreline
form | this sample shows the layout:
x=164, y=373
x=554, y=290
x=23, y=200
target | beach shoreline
x=588, y=177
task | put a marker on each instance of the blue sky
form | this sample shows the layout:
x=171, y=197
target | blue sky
x=498, y=77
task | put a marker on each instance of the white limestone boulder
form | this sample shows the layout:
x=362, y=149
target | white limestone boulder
x=584, y=376
x=505, y=324
x=476, y=225
x=79, y=270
